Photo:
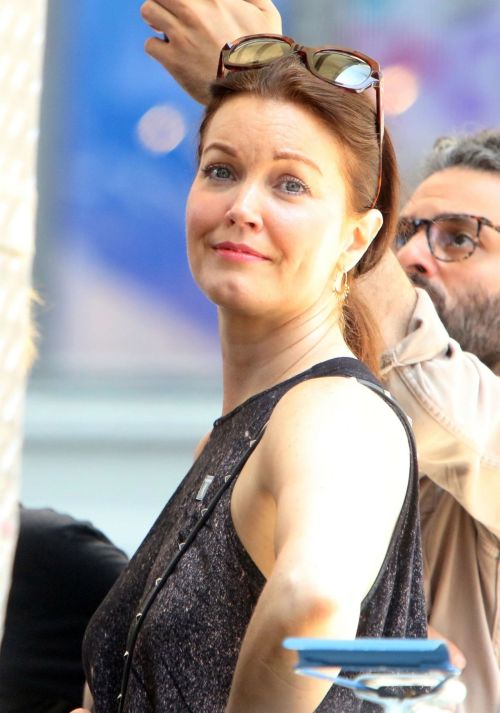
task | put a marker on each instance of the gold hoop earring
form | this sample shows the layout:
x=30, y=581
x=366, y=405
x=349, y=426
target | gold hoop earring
x=341, y=286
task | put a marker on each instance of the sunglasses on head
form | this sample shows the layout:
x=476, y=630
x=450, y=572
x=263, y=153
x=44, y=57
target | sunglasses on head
x=344, y=68
x=451, y=238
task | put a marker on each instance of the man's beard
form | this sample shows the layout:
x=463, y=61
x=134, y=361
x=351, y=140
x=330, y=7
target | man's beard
x=473, y=321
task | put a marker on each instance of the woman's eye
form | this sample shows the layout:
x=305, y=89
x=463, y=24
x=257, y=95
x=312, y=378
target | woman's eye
x=218, y=173
x=293, y=185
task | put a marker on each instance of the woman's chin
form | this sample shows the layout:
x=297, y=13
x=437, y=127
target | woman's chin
x=235, y=301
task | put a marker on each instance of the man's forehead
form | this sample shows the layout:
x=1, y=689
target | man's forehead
x=456, y=190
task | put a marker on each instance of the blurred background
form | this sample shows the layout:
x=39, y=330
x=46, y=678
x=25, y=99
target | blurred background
x=127, y=377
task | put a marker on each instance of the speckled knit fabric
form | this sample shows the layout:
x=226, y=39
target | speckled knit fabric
x=187, y=647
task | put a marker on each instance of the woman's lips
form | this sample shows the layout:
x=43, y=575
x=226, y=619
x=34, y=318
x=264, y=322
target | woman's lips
x=238, y=252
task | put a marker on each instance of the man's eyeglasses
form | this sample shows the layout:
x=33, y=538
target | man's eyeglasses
x=451, y=237
x=344, y=68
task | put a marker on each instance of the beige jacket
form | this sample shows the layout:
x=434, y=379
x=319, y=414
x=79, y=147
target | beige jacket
x=454, y=403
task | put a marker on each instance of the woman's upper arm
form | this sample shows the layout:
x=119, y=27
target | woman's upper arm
x=336, y=459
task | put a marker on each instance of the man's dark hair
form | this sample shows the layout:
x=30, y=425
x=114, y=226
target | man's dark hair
x=479, y=151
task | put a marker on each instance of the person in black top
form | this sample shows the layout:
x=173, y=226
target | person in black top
x=63, y=569
x=300, y=513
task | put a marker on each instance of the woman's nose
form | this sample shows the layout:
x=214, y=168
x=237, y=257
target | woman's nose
x=246, y=208
x=415, y=255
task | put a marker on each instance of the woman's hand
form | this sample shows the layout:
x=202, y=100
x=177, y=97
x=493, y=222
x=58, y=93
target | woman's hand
x=456, y=656
x=197, y=30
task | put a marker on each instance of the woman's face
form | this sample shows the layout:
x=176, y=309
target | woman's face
x=266, y=217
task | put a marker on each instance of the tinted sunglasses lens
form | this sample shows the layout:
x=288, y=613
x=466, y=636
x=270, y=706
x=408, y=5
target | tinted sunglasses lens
x=257, y=52
x=453, y=239
x=341, y=68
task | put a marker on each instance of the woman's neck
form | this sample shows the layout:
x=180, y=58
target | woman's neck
x=257, y=353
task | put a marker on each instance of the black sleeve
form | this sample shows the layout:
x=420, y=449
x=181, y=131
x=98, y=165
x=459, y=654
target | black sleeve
x=63, y=569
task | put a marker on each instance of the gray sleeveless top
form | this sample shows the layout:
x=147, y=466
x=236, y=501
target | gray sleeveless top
x=167, y=636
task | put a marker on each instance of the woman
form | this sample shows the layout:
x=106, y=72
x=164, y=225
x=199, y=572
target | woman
x=299, y=515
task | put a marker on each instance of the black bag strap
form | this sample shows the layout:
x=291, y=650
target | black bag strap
x=160, y=581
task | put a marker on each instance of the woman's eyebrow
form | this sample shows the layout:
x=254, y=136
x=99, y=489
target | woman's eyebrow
x=283, y=154
x=221, y=146
x=297, y=156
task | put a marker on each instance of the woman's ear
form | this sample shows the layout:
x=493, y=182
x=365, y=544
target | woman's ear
x=362, y=231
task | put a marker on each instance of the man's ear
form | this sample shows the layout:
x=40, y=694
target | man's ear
x=362, y=231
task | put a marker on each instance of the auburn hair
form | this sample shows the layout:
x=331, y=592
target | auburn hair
x=350, y=117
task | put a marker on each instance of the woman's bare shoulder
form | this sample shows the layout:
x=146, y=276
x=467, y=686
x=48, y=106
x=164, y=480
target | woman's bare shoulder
x=335, y=420
x=339, y=400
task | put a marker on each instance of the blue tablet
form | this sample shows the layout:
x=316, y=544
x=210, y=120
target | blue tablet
x=412, y=655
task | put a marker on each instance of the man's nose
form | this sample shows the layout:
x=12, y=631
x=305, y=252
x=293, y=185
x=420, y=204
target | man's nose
x=415, y=255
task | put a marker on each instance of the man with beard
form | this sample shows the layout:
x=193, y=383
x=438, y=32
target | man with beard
x=449, y=244
x=456, y=257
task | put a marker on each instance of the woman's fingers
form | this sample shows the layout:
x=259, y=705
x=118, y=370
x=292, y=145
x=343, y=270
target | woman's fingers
x=197, y=30
x=456, y=656
x=178, y=8
x=156, y=16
